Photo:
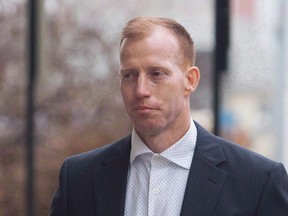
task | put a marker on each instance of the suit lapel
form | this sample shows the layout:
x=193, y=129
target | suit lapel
x=204, y=183
x=110, y=181
x=205, y=179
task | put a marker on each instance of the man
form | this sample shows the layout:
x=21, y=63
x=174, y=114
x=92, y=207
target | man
x=169, y=165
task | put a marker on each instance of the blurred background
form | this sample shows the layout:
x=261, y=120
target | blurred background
x=78, y=105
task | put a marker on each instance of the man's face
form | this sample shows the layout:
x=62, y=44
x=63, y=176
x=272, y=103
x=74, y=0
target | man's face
x=153, y=82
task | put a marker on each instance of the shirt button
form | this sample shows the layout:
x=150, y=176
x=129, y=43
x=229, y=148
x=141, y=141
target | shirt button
x=156, y=191
x=157, y=159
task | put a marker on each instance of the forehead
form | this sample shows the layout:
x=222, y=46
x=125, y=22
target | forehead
x=159, y=40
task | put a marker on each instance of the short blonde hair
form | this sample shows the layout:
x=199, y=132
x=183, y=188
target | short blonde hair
x=142, y=27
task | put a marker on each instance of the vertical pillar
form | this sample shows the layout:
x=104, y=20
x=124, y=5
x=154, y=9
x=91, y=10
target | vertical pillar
x=33, y=66
x=222, y=11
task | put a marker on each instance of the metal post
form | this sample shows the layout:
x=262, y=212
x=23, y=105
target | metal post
x=30, y=126
x=220, y=55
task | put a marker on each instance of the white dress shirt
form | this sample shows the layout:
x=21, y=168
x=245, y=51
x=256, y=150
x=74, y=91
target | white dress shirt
x=157, y=182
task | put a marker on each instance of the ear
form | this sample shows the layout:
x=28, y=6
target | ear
x=192, y=77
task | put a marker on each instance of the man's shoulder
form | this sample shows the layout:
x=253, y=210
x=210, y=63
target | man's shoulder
x=244, y=162
x=239, y=153
x=96, y=156
x=234, y=155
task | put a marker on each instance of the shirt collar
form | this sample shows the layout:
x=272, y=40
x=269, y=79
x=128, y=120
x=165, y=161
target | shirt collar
x=180, y=153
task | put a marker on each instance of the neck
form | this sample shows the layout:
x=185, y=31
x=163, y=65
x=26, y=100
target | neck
x=158, y=143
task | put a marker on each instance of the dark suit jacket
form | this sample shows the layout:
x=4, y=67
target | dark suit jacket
x=224, y=180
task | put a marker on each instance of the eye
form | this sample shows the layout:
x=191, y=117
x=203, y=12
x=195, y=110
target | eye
x=157, y=73
x=128, y=75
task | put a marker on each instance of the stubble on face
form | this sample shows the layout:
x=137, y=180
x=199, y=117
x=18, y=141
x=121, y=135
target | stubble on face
x=156, y=105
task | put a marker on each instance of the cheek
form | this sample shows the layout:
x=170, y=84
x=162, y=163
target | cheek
x=124, y=91
x=125, y=96
x=173, y=92
x=174, y=97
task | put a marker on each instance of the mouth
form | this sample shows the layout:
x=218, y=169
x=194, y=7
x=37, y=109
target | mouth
x=144, y=109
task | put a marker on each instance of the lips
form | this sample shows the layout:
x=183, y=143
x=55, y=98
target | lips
x=143, y=108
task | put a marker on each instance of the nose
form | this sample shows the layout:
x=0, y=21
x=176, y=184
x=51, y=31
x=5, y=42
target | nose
x=142, y=87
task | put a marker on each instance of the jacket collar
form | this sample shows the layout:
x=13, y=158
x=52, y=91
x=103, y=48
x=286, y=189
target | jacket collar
x=205, y=179
x=110, y=180
x=204, y=184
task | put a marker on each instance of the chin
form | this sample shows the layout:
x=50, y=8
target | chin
x=149, y=127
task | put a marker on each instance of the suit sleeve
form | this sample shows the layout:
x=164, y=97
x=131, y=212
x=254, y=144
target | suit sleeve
x=59, y=200
x=274, y=199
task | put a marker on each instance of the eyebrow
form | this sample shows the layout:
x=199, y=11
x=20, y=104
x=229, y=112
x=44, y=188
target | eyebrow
x=157, y=68
x=123, y=70
x=164, y=69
